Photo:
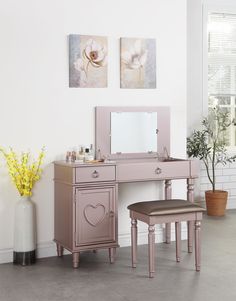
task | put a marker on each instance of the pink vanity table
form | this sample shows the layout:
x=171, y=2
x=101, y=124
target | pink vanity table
x=86, y=194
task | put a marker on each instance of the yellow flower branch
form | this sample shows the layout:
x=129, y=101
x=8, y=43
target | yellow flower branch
x=22, y=171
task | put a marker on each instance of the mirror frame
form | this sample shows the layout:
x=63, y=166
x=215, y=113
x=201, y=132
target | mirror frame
x=103, y=134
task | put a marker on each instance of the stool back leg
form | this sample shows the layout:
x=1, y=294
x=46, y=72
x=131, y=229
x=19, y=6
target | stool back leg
x=134, y=242
x=178, y=240
x=197, y=245
x=151, y=249
x=190, y=225
x=168, y=233
x=168, y=193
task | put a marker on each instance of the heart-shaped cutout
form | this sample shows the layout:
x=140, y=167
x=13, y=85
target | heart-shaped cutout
x=94, y=214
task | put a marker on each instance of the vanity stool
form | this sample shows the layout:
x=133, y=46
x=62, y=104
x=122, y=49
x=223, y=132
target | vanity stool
x=165, y=211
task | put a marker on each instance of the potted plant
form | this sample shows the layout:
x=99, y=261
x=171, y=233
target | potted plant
x=209, y=145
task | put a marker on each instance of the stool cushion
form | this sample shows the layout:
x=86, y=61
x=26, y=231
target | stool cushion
x=173, y=206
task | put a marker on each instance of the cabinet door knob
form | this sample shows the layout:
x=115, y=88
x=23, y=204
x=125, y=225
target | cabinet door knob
x=158, y=170
x=95, y=174
x=112, y=213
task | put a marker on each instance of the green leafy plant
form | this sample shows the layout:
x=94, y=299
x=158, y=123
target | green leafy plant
x=209, y=144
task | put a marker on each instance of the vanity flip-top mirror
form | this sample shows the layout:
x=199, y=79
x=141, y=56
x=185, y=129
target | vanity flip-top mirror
x=132, y=132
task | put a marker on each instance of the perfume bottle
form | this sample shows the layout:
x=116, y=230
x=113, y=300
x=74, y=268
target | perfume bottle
x=68, y=156
x=91, y=152
x=80, y=156
x=73, y=156
x=86, y=155
x=98, y=155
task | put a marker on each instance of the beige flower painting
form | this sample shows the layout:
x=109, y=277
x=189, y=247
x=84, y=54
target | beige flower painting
x=138, y=63
x=88, y=61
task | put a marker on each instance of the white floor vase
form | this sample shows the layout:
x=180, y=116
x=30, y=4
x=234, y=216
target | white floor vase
x=24, y=251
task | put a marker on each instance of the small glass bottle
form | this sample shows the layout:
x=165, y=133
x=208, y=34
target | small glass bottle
x=73, y=156
x=91, y=152
x=86, y=155
x=98, y=155
x=80, y=156
x=68, y=156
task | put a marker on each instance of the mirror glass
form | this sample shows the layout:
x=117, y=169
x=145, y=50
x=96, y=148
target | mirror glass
x=133, y=132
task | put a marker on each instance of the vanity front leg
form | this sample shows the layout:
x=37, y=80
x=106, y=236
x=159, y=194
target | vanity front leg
x=112, y=252
x=190, y=224
x=60, y=250
x=168, y=194
x=75, y=260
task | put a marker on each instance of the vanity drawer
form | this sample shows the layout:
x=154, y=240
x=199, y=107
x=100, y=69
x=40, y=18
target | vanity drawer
x=95, y=174
x=152, y=171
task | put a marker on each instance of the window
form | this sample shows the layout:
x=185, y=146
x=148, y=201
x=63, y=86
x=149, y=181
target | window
x=222, y=67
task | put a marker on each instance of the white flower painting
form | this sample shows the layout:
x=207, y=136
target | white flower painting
x=138, y=63
x=88, y=61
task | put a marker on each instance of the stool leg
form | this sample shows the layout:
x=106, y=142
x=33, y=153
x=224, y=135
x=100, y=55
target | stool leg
x=190, y=225
x=190, y=197
x=197, y=245
x=168, y=233
x=134, y=242
x=178, y=240
x=168, y=193
x=151, y=249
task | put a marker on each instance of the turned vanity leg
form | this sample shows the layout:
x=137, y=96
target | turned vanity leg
x=112, y=255
x=60, y=250
x=168, y=193
x=75, y=260
x=190, y=224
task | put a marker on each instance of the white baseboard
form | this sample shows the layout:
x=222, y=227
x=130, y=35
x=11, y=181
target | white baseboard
x=231, y=203
x=6, y=255
x=48, y=249
x=124, y=239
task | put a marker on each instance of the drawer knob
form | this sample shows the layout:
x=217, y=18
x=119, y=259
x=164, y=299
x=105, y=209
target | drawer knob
x=158, y=170
x=95, y=174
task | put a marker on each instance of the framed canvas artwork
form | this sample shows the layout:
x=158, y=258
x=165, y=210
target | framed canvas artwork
x=87, y=61
x=137, y=63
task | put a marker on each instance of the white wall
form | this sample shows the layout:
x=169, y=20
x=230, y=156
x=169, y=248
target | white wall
x=38, y=108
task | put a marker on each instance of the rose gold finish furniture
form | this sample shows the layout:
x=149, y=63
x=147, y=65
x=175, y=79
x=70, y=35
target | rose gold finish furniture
x=157, y=165
x=103, y=132
x=85, y=208
x=167, y=211
x=86, y=194
x=86, y=200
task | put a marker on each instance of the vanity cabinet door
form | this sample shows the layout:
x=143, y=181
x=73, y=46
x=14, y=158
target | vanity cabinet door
x=95, y=216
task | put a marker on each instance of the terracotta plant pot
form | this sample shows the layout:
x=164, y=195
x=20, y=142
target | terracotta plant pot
x=216, y=202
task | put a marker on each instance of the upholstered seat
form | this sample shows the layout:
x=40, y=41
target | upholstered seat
x=165, y=207
x=165, y=211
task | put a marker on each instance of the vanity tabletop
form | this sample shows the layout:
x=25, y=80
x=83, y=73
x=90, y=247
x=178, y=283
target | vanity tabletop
x=76, y=164
x=149, y=160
